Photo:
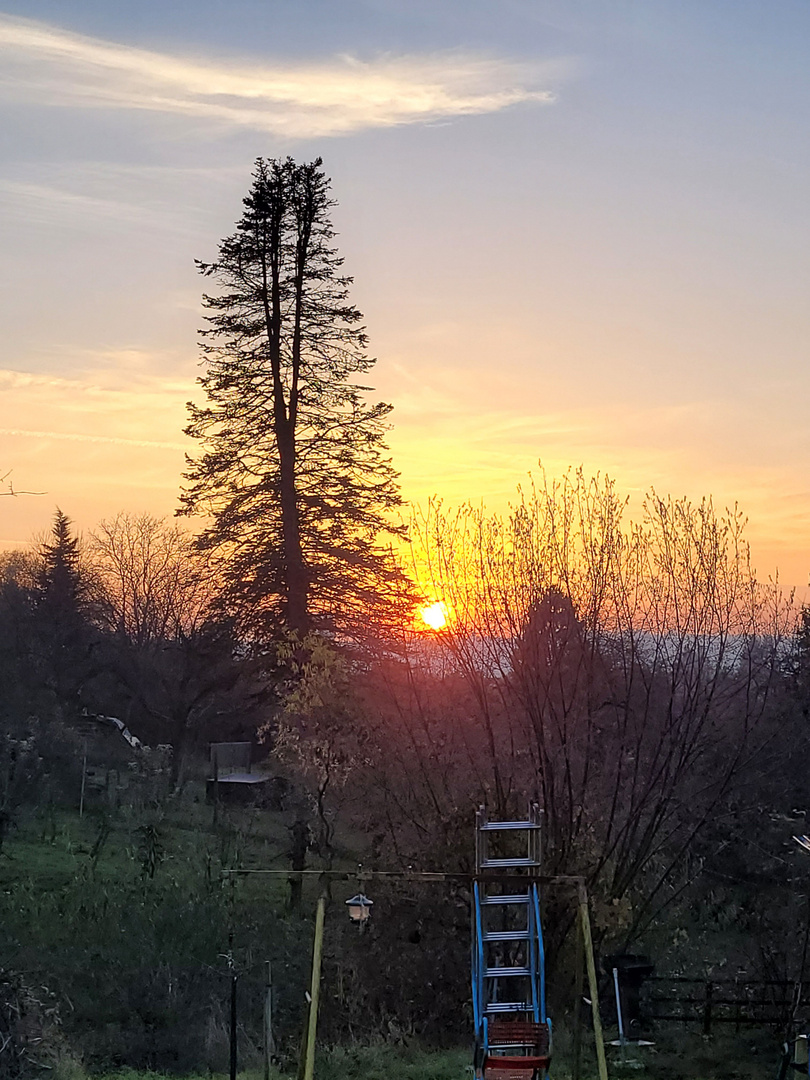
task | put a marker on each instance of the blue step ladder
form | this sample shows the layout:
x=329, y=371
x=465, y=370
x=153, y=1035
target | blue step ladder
x=512, y=1030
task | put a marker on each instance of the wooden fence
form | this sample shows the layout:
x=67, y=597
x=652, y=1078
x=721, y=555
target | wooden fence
x=744, y=1003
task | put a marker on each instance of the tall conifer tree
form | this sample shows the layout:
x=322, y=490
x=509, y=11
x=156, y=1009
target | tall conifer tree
x=293, y=470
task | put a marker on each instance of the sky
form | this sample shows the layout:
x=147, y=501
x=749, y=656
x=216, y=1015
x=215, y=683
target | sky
x=578, y=231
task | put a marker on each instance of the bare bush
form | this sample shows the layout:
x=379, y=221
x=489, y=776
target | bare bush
x=618, y=670
x=155, y=584
x=178, y=670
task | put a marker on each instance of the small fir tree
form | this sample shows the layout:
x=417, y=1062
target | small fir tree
x=60, y=587
x=61, y=598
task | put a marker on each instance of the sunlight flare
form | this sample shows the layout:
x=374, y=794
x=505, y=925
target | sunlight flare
x=435, y=615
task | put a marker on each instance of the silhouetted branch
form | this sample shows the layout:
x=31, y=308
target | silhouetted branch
x=8, y=489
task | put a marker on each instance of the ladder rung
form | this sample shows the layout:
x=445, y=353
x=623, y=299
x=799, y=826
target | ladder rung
x=504, y=972
x=506, y=935
x=507, y=863
x=498, y=826
x=506, y=898
x=508, y=1007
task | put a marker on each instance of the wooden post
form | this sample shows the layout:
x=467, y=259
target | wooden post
x=299, y=842
x=593, y=986
x=112, y=788
x=315, y=989
x=269, y=1046
x=579, y=974
x=707, y=1009
x=233, y=1026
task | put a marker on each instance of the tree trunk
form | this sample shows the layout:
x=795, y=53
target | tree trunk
x=297, y=584
x=298, y=860
x=180, y=741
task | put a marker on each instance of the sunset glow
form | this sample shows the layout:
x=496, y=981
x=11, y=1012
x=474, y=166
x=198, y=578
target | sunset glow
x=523, y=153
x=405, y=431
x=435, y=615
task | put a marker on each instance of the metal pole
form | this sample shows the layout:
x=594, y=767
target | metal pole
x=619, y=1017
x=315, y=989
x=216, y=788
x=233, y=1026
x=269, y=1047
x=593, y=986
x=84, y=777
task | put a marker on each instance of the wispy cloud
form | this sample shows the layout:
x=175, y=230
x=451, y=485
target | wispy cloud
x=108, y=436
x=75, y=436
x=106, y=194
x=52, y=66
x=48, y=204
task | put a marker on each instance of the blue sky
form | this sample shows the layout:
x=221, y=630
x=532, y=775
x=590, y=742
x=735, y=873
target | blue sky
x=578, y=231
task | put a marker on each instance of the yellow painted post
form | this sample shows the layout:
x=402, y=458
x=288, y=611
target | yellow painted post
x=593, y=987
x=269, y=1043
x=315, y=989
x=579, y=975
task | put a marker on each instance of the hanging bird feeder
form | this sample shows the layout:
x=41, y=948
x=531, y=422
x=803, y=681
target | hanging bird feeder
x=359, y=908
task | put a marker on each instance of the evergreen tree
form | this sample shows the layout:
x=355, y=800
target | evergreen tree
x=59, y=580
x=293, y=471
x=61, y=599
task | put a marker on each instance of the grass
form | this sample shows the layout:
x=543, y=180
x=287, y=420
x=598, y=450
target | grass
x=358, y=1063
x=722, y=1058
x=49, y=881
x=697, y=1058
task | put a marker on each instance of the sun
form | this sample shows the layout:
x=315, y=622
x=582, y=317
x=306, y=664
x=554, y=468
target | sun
x=435, y=615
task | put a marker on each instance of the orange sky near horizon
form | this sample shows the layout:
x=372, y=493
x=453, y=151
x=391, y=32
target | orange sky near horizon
x=99, y=444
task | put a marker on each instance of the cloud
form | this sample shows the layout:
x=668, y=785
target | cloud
x=47, y=204
x=73, y=436
x=52, y=66
x=104, y=195
x=106, y=438
x=126, y=405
